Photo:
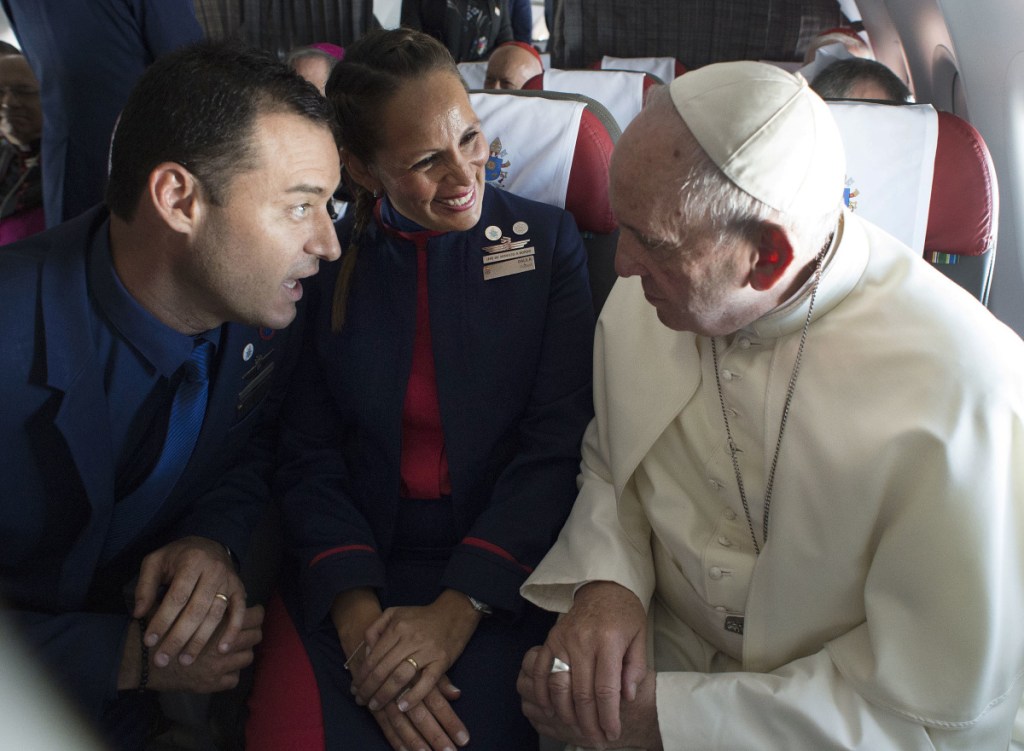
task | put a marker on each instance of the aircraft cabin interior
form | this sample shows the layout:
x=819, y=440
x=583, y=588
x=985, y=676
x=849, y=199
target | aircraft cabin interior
x=942, y=172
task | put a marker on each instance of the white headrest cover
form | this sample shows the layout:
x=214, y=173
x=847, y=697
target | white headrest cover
x=532, y=142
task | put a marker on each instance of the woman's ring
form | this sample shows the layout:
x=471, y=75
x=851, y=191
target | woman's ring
x=558, y=666
x=222, y=596
x=411, y=661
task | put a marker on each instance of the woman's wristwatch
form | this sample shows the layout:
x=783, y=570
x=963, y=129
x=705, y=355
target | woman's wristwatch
x=481, y=607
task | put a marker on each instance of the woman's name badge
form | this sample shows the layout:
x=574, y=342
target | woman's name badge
x=508, y=257
x=505, y=268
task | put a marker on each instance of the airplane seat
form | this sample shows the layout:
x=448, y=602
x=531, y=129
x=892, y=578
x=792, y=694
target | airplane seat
x=556, y=148
x=963, y=220
x=622, y=92
x=927, y=178
x=662, y=68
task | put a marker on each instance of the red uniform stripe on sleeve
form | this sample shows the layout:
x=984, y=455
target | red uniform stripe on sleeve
x=490, y=547
x=335, y=551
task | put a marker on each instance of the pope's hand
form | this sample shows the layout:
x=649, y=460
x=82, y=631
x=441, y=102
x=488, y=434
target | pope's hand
x=603, y=641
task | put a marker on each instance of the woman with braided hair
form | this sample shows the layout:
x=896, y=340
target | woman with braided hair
x=431, y=447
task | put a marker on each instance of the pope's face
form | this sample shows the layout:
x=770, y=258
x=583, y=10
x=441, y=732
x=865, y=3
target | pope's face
x=694, y=279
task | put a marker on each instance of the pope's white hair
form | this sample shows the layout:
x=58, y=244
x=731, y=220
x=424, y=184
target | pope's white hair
x=711, y=201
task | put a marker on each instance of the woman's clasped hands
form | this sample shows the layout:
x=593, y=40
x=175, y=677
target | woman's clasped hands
x=399, y=669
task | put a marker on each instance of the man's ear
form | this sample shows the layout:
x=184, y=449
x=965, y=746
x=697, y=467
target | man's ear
x=174, y=193
x=360, y=172
x=774, y=255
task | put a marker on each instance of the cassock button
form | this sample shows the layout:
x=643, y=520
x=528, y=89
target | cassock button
x=715, y=573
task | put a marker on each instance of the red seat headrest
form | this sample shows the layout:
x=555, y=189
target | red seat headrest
x=587, y=197
x=534, y=84
x=964, y=210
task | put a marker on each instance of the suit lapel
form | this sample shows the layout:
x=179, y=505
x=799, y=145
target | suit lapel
x=83, y=417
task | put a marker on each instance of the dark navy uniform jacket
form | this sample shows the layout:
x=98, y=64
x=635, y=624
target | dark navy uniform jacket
x=57, y=465
x=513, y=361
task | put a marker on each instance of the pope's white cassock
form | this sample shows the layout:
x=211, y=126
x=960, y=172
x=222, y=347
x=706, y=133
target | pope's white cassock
x=886, y=610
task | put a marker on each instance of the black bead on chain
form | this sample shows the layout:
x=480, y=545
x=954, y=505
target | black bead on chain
x=144, y=656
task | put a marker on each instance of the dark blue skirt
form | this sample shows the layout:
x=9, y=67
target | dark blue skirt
x=485, y=672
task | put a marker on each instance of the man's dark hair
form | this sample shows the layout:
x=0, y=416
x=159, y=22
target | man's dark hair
x=197, y=106
x=838, y=79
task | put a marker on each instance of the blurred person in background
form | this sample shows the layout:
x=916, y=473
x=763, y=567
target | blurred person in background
x=511, y=65
x=315, y=62
x=470, y=29
x=858, y=78
x=21, y=125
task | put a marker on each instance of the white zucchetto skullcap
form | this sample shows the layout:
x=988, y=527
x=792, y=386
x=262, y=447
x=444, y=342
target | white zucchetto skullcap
x=768, y=132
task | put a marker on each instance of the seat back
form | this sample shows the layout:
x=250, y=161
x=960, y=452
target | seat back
x=890, y=157
x=556, y=148
x=927, y=178
x=963, y=223
x=697, y=32
x=662, y=68
x=622, y=92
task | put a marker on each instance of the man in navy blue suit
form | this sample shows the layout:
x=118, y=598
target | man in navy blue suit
x=129, y=471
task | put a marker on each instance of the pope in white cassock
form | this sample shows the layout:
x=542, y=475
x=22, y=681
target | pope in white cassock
x=800, y=520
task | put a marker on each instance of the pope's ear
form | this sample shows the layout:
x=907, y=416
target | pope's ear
x=360, y=172
x=774, y=255
x=174, y=193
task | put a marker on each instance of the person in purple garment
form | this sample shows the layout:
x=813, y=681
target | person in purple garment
x=21, y=124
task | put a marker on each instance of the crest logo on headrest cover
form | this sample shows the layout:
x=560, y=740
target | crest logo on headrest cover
x=496, y=169
x=849, y=194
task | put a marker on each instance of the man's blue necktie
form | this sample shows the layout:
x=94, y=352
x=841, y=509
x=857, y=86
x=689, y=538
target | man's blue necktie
x=186, y=419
